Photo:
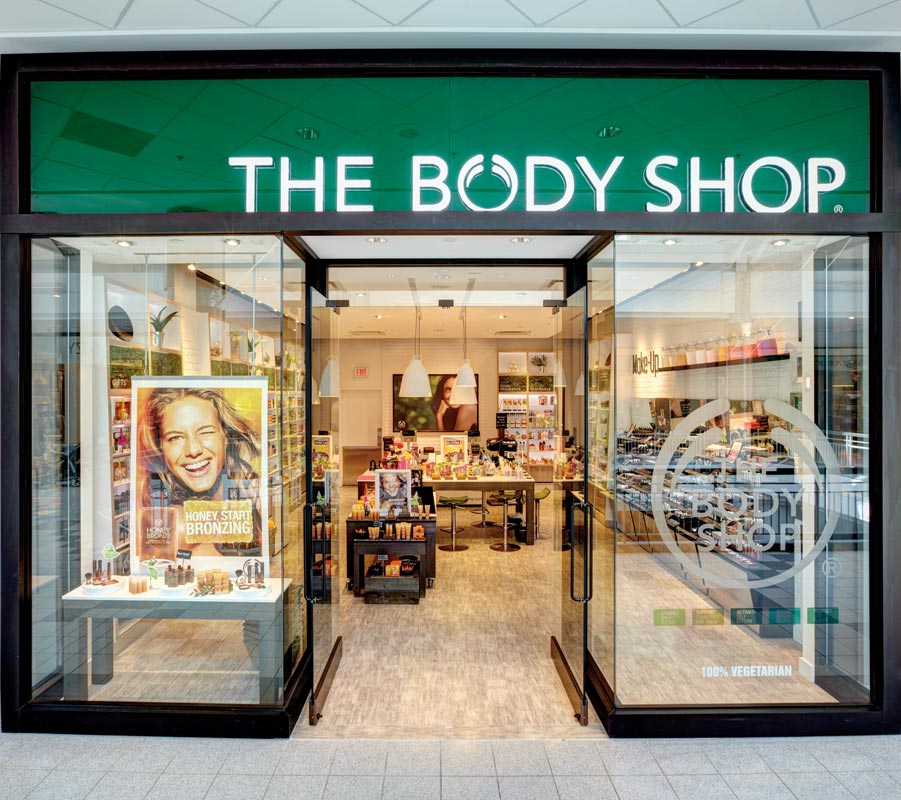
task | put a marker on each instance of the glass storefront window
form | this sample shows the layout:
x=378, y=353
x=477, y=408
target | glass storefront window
x=167, y=459
x=741, y=507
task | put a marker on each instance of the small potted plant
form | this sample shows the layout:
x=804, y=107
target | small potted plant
x=251, y=347
x=540, y=361
x=158, y=323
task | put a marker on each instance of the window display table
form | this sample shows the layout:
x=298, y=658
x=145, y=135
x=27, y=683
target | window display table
x=493, y=483
x=261, y=614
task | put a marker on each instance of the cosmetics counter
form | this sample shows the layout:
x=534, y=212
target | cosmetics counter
x=733, y=527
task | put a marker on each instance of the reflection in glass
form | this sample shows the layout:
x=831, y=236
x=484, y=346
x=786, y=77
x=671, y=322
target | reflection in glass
x=168, y=434
x=741, y=483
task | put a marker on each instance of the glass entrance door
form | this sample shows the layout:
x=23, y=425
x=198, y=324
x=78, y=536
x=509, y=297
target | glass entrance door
x=573, y=517
x=322, y=512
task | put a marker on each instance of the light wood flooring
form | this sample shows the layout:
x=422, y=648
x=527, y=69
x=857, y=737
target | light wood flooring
x=473, y=658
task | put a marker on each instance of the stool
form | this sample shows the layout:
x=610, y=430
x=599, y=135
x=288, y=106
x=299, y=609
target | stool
x=452, y=503
x=483, y=510
x=504, y=498
x=539, y=496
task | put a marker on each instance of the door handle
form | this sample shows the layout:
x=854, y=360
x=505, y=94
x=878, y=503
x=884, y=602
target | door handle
x=589, y=554
x=308, y=553
x=572, y=553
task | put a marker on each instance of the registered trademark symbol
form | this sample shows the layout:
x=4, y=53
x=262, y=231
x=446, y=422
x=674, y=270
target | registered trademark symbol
x=832, y=568
x=839, y=209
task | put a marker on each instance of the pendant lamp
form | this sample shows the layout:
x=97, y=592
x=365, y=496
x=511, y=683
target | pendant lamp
x=465, y=375
x=328, y=382
x=415, y=382
x=559, y=376
x=328, y=385
x=580, y=385
x=314, y=393
x=463, y=396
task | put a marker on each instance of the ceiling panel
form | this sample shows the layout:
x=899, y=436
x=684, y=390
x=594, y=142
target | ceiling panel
x=468, y=14
x=103, y=12
x=761, y=15
x=167, y=14
x=440, y=247
x=830, y=12
x=333, y=14
x=634, y=14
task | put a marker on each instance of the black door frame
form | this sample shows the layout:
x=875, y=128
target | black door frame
x=17, y=226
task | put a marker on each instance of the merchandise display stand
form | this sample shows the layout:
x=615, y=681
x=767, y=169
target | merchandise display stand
x=358, y=534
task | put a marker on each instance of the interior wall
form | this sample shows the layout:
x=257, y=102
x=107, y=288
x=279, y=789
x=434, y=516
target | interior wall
x=384, y=358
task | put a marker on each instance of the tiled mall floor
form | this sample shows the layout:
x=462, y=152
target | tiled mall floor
x=125, y=768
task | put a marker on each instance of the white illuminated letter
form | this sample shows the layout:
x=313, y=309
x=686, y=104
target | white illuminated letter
x=673, y=192
x=345, y=183
x=251, y=164
x=724, y=184
x=598, y=185
x=317, y=184
x=786, y=169
x=437, y=183
x=558, y=166
x=474, y=167
x=814, y=187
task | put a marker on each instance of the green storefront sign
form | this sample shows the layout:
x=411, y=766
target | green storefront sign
x=431, y=144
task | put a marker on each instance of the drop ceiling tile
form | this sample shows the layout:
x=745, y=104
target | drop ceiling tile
x=456, y=14
x=886, y=19
x=41, y=17
x=777, y=15
x=541, y=11
x=395, y=11
x=607, y=15
x=103, y=12
x=687, y=11
x=174, y=15
x=248, y=13
x=333, y=14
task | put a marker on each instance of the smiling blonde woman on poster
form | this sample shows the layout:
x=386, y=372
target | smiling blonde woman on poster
x=194, y=445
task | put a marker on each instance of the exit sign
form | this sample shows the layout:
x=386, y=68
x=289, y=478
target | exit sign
x=361, y=372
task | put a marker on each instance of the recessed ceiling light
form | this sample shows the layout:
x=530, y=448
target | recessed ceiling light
x=232, y=242
x=58, y=296
x=609, y=131
x=309, y=134
x=780, y=242
x=222, y=283
x=192, y=266
x=125, y=243
x=699, y=263
x=376, y=240
x=442, y=277
x=521, y=239
x=391, y=275
x=449, y=239
x=361, y=294
x=670, y=242
x=379, y=316
x=501, y=275
x=502, y=316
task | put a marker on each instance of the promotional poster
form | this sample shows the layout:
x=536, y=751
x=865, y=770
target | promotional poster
x=199, y=471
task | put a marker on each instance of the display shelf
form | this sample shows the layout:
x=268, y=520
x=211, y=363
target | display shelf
x=729, y=363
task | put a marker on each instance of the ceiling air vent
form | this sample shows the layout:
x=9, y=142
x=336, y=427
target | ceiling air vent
x=513, y=333
x=367, y=333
